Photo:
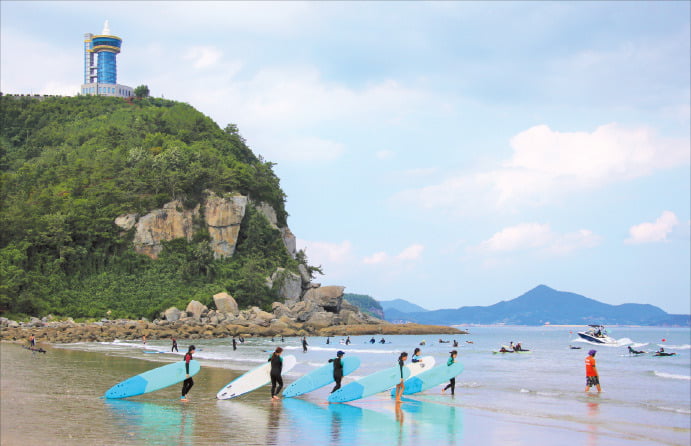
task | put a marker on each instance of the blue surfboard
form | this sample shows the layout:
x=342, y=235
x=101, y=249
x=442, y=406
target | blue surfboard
x=152, y=380
x=320, y=377
x=430, y=378
x=377, y=382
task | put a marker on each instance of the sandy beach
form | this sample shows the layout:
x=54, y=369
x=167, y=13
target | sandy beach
x=55, y=399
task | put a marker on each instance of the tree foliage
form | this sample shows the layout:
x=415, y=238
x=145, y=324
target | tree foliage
x=69, y=166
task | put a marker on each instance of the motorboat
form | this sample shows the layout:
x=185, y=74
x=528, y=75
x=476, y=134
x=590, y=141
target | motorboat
x=597, y=334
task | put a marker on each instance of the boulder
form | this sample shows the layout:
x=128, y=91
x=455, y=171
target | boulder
x=280, y=310
x=195, y=309
x=287, y=285
x=172, y=314
x=226, y=304
x=327, y=297
x=126, y=221
x=320, y=319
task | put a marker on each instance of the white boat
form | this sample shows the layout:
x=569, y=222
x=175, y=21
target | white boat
x=597, y=334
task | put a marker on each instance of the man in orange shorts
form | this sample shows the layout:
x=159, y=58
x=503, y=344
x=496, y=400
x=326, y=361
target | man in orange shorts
x=591, y=376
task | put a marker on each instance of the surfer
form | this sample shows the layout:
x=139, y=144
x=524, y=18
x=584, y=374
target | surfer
x=382, y=341
x=338, y=369
x=235, y=344
x=635, y=352
x=372, y=341
x=591, y=376
x=188, y=382
x=348, y=340
x=304, y=345
x=455, y=343
x=276, y=367
x=327, y=340
x=174, y=348
x=400, y=387
x=416, y=356
x=452, y=382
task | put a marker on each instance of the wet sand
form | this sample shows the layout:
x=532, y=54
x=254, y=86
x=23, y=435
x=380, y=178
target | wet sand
x=54, y=399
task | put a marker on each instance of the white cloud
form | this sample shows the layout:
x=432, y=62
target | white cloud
x=548, y=164
x=653, y=232
x=377, y=257
x=412, y=252
x=319, y=253
x=539, y=238
x=203, y=56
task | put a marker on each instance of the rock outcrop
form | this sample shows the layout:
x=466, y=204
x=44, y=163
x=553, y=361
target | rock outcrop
x=220, y=215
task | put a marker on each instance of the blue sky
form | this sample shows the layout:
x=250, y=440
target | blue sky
x=446, y=153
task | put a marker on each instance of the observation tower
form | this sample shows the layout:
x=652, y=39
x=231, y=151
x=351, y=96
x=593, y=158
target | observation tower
x=100, y=65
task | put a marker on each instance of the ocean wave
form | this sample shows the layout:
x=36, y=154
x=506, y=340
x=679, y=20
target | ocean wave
x=671, y=375
x=676, y=347
x=674, y=409
x=345, y=349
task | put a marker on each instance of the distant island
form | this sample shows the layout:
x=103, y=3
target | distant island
x=539, y=306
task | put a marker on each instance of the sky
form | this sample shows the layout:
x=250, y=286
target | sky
x=445, y=153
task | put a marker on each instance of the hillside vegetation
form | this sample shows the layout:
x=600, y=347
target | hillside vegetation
x=71, y=165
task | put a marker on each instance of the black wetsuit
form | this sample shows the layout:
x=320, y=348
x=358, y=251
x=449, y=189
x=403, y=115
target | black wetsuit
x=174, y=348
x=338, y=373
x=276, y=379
x=189, y=382
x=304, y=345
x=452, y=382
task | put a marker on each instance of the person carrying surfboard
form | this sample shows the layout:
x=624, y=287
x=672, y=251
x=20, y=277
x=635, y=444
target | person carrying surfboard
x=416, y=355
x=275, y=374
x=188, y=382
x=338, y=369
x=452, y=382
x=400, y=387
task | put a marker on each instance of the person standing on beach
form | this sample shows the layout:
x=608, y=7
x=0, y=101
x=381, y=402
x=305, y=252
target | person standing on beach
x=276, y=367
x=338, y=369
x=452, y=382
x=400, y=387
x=304, y=344
x=188, y=382
x=592, y=377
x=174, y=348
x=32, y=341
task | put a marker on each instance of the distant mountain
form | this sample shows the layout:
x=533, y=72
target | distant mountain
x=543, y=305
x=400, y=305
x=366, y=304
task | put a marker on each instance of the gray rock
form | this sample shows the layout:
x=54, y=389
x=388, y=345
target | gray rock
x=226, y=304
x=329, y=298
x=195, y=309
x=172, y=314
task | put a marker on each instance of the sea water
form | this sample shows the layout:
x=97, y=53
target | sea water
x=514, y=398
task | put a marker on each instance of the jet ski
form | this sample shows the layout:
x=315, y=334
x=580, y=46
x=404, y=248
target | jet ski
x=597, y=334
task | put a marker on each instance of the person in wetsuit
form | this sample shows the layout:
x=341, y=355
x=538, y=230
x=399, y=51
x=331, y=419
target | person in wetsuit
x=338, y=369
x=416, y=355
x=452, y=382
x=188, y=382
x=304, y=344
x=174, y=348
x=400, y=387
x=276, y=367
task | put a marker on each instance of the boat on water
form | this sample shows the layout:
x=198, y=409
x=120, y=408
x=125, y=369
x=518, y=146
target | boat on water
x=597, y=334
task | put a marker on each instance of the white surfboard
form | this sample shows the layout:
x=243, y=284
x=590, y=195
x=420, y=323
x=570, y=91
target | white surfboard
x=425, y=363
x=253, y=379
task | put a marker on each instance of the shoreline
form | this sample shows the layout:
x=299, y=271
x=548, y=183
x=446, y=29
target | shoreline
x=65, y=332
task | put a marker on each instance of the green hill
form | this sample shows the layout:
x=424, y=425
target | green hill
x=71, y=165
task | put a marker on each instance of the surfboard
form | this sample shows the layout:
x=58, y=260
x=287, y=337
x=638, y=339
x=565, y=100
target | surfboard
x=380, y=381
x=320, y=377
x=254, y=379
x=425, y=363
x=152, y=380
x=430, y=378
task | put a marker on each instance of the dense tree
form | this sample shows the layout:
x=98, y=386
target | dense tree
x=69, y=166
